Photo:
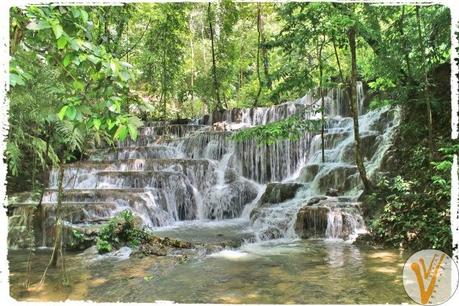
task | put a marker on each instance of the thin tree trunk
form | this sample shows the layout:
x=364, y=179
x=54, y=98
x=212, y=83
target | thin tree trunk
x=214, y=65
x=260, y=83
x=338, y=63
x=426, y=86
x=264, y=52
x=241, y=76
x=59, y=221
x=322, y=103
x=163, y=98
x=355, y=115
x=192, y=63
x=57, y=248
x=405, y=46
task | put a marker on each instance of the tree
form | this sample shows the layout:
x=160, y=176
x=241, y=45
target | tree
x=355, y=112
x=165, y=42
x=210, y=17
x=91, y=88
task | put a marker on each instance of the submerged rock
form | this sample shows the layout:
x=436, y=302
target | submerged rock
x=366, y=239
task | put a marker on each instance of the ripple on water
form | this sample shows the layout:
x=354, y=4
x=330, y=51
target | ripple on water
x=266, y=272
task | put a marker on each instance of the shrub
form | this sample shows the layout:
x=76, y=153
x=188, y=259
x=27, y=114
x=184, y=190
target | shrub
x=120, y=230
x=103, y=246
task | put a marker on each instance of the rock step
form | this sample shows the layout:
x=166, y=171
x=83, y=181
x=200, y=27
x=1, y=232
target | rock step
x=161, y=134
x=128, y=153
x=143, y=164
x=328, y=217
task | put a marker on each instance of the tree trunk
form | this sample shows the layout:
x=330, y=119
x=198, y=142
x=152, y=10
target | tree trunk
x=426, y=86
x=214, y=65
x=260, y=83
x=163, y=98
x=355, y=115
x=57, y=249
x=322, y=103
x=264, y=54
x=405, y=45
x=192, y=63
x=59, y=222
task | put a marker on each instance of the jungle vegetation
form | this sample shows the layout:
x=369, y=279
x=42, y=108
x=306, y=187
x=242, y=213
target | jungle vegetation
x=81, y=75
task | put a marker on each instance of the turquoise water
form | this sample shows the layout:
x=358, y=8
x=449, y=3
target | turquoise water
x=312, y=271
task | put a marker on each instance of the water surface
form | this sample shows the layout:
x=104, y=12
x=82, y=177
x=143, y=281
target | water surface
x=312, y=271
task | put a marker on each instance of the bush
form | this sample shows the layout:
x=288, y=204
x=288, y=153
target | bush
x=103, y=246
x=120, y=230
x=416, y=211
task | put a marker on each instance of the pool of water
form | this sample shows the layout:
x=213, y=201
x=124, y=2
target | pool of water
x=303, y=271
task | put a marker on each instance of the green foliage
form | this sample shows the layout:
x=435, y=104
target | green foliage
x=81, y=76
x=291, y=128
x=119, y=230
x=416, y=213
x=163, y=58
x=103, y=246
x=69, y=91
x=77, y=238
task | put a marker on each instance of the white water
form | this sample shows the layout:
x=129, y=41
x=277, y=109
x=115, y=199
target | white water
x=176, y=174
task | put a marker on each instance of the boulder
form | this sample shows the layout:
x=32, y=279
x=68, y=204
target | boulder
x=309, y=172
x=152, y=249
x=315, y=200
x=275, y=193
x=366, y=239
x=278, y=192
x=328, y=217
x=332, y=192
x=311, y=221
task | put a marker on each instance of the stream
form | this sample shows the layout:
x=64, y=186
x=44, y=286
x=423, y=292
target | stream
x=284, y=220
x=275, y=271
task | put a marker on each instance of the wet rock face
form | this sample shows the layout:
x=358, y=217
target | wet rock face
x=161, y=246
x=328, y=217
x=278, y=192
x=274, y=194
x=312, y=221
x=227, y=201
x=332, y=192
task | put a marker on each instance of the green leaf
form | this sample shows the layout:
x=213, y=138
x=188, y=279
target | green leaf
x=93, y=59
x=62, y=112
x=40, y=25
x=97, y=122
x=124, y=75
x=84, y=15
x=133, y=131
x=75, y=44
x=114, y=67
x=78, y=85
x=58, y=31
x=71, y=112
x=110, y=124
x=62, y=42
x=121, y=133
x=16, y=79
x=67, y=59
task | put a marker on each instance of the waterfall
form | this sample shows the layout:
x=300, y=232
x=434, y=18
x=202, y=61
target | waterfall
x=195, y=171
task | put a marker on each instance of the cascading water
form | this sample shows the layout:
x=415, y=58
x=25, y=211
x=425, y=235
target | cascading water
x=178, y=172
